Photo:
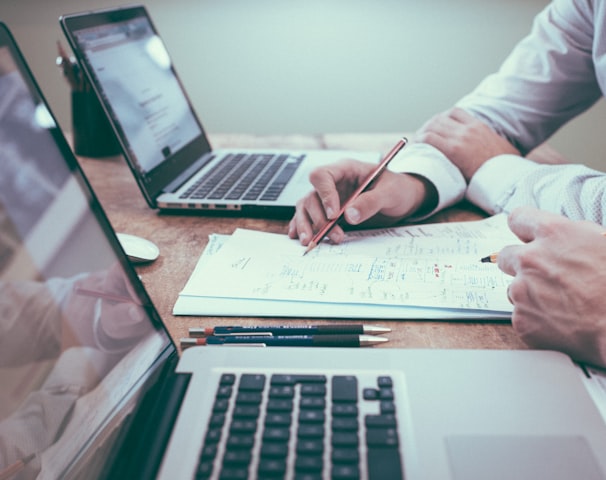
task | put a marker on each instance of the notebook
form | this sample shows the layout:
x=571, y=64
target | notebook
x=93, y=387
x=162, y=138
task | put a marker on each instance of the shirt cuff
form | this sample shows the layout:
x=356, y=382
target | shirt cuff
x=428, y=162
x=495, y=181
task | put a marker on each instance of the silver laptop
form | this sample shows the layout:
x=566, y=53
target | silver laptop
x=92, y=386
x=162, y=138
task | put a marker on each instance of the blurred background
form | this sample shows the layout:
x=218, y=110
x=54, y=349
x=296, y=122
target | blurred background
x=317, y=66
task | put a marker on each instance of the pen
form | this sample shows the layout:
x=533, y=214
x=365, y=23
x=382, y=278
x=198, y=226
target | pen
x=317, y=238
x=105, y=295
x=262, y=330
x=288, y=340
x=493, y=257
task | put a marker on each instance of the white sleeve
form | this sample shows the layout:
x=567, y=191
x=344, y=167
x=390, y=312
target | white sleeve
x=548, y=78
x=507, y=181
x=428, y=162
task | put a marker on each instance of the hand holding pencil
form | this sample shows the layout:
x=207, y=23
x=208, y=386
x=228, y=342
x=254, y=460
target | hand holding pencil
x=357, y=193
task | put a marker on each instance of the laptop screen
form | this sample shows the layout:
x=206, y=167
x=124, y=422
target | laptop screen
x=131, y=63
x=78, y=334
x=133, y=75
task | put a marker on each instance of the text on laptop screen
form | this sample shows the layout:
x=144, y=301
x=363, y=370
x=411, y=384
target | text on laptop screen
x=146, y=88
x=75, y=335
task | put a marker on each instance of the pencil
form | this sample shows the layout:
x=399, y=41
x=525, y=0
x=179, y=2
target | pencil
x=317, y=238
x=493, y=257
x=105, y=296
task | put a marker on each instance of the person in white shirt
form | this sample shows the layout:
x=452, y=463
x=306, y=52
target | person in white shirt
x=476, y=151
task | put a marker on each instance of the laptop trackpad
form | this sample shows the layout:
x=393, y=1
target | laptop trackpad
x=521, y=457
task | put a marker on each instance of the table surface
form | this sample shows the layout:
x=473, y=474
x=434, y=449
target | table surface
x=182, y=238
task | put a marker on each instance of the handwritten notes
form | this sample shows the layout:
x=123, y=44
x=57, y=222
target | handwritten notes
x=421, y=271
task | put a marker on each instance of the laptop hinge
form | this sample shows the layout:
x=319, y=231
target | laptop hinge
x=142, y=449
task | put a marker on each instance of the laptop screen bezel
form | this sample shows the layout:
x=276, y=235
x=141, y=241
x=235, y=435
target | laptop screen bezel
x=155, y=181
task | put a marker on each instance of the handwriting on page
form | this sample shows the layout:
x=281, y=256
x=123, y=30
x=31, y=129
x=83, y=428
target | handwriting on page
x=435, y=266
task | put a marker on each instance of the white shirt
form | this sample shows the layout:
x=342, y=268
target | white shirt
x=555, y=73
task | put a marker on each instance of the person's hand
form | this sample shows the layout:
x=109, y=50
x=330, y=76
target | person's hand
x=392, y=197
x=464, y=140
x=558, y=291
x=110, y=319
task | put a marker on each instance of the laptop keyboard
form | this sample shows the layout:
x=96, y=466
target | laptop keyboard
x=245, y=177
x=302, y=427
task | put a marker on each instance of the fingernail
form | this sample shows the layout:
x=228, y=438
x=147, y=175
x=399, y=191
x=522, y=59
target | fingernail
x=353, y=215
x=303, y=237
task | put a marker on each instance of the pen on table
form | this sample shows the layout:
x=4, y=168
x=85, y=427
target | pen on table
x=317, y=238
x=288, y=340
x=105, y=296
x=493, y=257
x=263, y=330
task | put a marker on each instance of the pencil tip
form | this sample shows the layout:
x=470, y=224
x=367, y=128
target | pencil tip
x=485, y=260
x=310, y=247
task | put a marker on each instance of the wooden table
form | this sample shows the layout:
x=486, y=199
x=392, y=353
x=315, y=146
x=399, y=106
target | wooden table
x=181, y=239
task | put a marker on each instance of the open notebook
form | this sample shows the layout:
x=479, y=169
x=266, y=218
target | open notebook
x=92, y=386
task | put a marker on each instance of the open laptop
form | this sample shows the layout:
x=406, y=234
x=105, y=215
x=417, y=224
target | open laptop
x=92, y=386
x=162, y=138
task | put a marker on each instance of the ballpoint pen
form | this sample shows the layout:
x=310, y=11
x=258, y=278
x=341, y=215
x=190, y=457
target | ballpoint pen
x=317, y=238
x=262, y=330
x=288, y=340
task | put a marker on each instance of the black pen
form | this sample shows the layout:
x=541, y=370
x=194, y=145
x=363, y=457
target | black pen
x=288, y=340
x=263, y=330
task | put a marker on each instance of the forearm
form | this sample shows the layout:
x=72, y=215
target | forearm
x=507, y=182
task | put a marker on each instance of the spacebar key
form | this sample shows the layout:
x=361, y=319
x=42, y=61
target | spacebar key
x=384, y=462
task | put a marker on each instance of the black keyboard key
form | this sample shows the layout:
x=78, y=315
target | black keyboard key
x=274, y=450
x=237, y=457
x=271, y=467
x=311, y=416
x=279, y=405
x=344, y=388
x=380, y=421
x=312, y=403
x=246, y=411
x=340, y=424
x=384, y=463
x=345, y=455
x=345, y=439
x=309, y=463
x=346, y=472
x=345, y=410
x=234, y=473
x=278, y=419
x=310, y=431
x=313, y=389
x=251, y=383
x=276, y=434
x=382, y=437
x=310, y=447
x=249, y=398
